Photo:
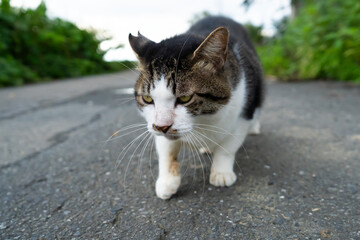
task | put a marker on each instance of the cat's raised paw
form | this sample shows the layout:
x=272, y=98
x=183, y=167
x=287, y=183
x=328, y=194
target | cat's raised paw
x=166, y=186
x=222, y=179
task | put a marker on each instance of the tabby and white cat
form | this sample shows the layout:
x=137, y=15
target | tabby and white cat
x=204, y=88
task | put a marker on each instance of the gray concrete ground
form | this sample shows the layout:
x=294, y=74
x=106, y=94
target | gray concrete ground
x=299, y=179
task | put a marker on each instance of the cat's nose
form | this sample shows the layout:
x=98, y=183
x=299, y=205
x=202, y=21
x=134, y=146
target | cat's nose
x=163, y=129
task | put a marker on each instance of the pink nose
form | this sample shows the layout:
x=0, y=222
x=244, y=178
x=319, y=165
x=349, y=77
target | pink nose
x=163, y=129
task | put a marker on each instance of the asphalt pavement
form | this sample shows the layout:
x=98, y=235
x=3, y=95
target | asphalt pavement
x=61, y=179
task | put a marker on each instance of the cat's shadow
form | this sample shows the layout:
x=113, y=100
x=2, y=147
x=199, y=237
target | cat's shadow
x=264, y=159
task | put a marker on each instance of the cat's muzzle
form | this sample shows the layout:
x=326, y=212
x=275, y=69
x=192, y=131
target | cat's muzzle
x=166, y=131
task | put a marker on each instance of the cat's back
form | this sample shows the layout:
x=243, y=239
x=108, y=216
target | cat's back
x=237, y=32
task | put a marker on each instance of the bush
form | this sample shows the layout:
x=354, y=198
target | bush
x=255, y=33
x=321, y=43
x=35, y=48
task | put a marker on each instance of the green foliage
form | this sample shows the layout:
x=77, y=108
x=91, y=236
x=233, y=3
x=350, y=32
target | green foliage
x=255, y=33
x=35, y=48
x=322, y=42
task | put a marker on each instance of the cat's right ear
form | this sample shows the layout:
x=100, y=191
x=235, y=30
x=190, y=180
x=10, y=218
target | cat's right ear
x=212, y=52
x=139, y=45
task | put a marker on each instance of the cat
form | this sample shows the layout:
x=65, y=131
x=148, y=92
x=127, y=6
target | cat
x=203, y=88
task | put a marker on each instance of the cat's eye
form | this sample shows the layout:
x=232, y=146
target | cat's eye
x=184, y=99
x=147, y=99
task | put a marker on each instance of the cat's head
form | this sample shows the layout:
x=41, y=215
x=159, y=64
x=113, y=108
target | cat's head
x=181, y=78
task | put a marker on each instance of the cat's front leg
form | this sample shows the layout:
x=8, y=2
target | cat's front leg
x=169, y=178
x=222, y=169
x=222, y=173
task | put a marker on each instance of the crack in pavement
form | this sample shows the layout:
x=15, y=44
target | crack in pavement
x=34, y=181
x=42, y=106
x=56, y=139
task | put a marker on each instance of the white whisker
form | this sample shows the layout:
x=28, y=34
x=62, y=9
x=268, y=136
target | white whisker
x=214, y=131
x=127, y=147
x=211, y=141
x=132, y=155
x=127, y=127
x=193, y=155
x=125, y=100
x=133, y=69
x=143, y=150
x=112, y=137
x=151, y=153
x=216, y=127
x=192, y=137
x=183, y=156
x=203, y=144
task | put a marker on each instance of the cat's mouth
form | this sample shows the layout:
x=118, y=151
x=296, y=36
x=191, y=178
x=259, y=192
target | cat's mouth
x=168, y=136
x=168, y=132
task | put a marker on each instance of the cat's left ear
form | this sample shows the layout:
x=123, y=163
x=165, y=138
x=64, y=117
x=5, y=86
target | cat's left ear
x=213, y=50
x=139, y=44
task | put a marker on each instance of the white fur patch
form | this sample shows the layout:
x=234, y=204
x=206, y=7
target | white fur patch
x=164, y=102
x=164, y=112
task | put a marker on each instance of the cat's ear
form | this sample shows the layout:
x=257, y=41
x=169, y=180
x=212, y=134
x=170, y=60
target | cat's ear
x=212, y=52
x=139, y=44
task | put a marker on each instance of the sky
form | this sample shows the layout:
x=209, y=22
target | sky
x=155, y=19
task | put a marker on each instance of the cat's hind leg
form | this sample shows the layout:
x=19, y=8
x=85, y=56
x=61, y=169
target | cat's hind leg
x=205, y=150
x=255, y=123
x=222, y=169
x=169, y=178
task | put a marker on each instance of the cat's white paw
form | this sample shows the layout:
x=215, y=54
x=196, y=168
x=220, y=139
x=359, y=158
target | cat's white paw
x=167, y=185
x=222, y=179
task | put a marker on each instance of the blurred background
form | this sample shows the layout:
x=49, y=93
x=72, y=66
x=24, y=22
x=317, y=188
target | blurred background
x=296, y=39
